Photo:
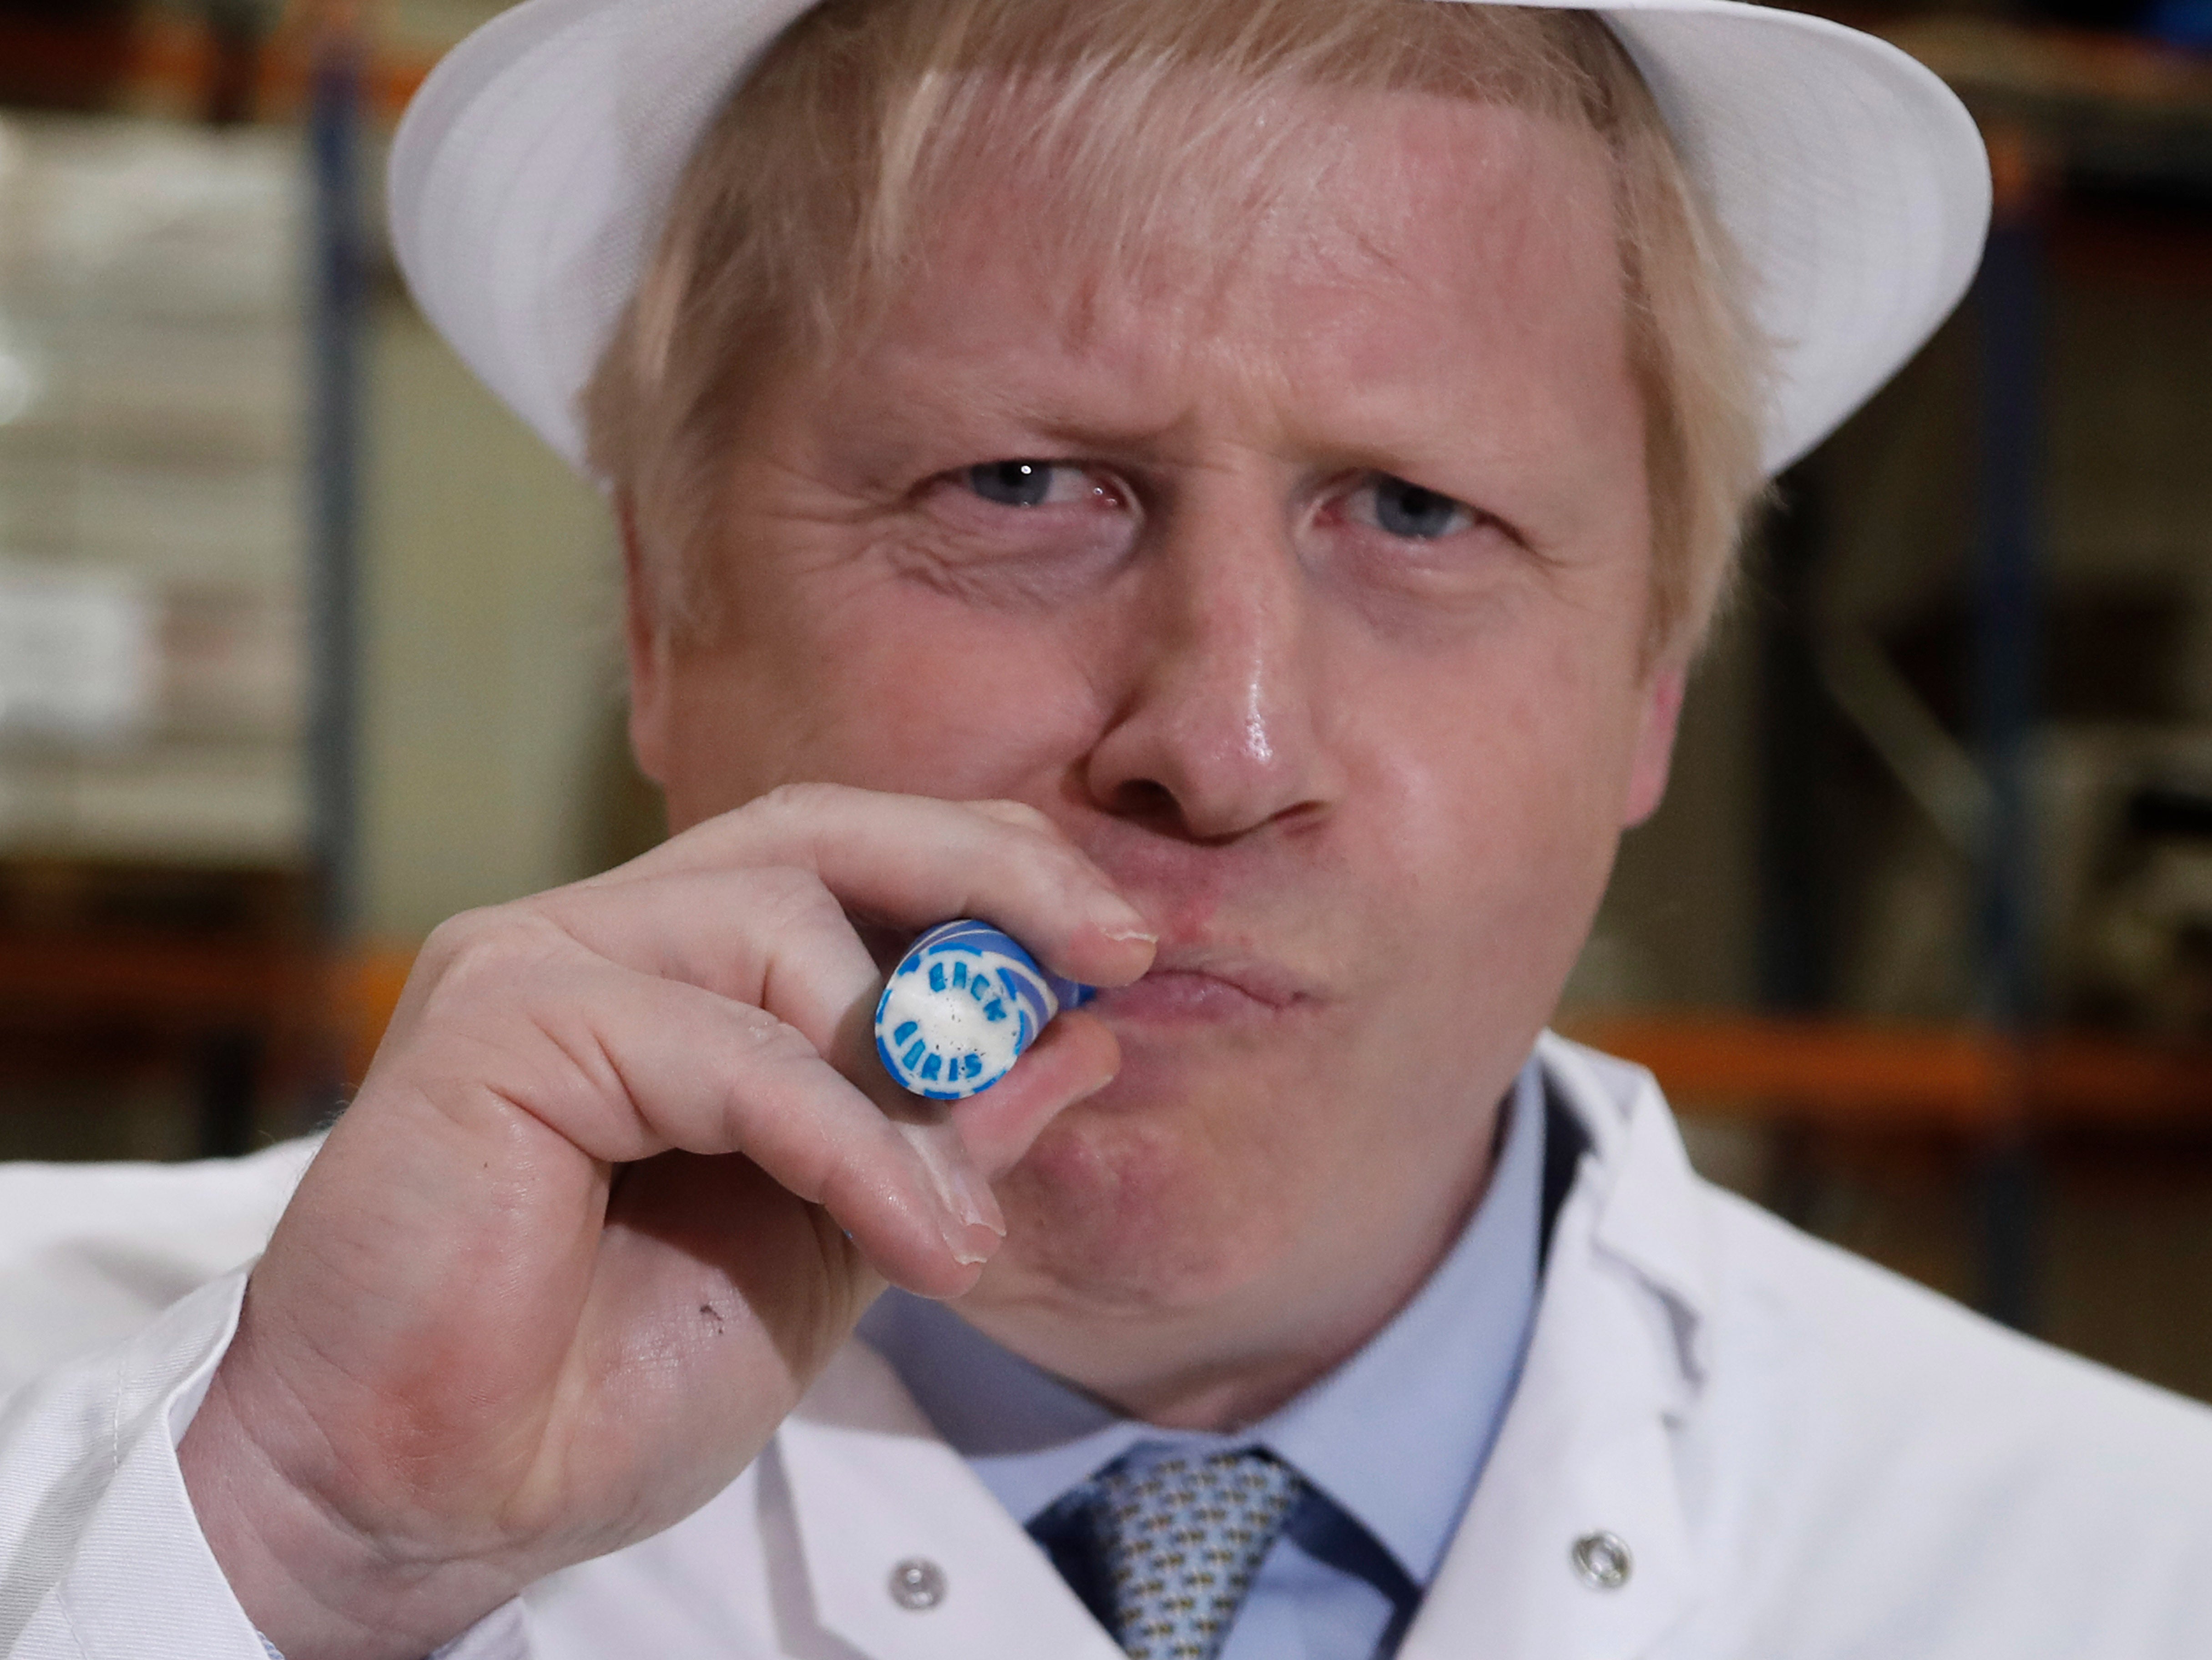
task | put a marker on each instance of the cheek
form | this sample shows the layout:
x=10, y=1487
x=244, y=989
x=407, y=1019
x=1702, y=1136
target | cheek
x=887, y=687
x=1505, y=781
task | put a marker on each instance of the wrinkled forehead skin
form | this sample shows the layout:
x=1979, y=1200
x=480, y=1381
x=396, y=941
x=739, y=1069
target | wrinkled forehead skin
x=1306, y=189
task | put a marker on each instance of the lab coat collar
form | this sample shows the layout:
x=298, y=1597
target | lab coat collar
x=1615, y=1361
x=1648, y=1219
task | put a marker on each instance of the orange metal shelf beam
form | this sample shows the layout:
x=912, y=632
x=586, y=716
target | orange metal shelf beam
x=1838, y=1074
x=1845, y=1074
x=1849, y=1074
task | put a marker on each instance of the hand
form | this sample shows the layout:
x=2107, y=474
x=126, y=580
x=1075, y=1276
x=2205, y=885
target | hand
x=623, y=1176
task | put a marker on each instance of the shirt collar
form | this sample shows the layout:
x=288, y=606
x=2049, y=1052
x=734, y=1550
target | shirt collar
x=1396, y=1436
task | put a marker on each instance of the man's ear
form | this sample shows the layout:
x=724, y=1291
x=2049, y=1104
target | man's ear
x=644, y=641
x=1654, y=753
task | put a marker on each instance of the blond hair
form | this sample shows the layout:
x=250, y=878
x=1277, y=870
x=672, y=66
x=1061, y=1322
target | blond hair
x=1147, y=119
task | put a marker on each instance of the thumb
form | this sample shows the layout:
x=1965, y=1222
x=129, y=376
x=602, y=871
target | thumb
x=1076, y=1056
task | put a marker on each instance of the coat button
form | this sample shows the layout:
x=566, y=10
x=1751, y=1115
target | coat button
x=1602, y=1559
x=917, y=1585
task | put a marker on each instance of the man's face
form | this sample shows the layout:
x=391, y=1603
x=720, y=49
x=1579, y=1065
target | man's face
x=1309, y=597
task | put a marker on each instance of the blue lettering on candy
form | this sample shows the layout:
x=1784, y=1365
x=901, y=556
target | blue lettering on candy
x=1003, y=986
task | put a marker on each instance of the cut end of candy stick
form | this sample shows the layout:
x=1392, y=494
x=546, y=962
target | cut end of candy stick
x=961, y=1008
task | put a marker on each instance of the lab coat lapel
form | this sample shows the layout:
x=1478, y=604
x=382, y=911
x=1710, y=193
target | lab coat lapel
x=873, y=1491
x=1585, y=1450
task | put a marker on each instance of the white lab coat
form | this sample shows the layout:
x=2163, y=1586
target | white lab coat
x=1807, y=1458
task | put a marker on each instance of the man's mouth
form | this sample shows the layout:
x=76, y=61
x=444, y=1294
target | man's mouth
x=1204, y=985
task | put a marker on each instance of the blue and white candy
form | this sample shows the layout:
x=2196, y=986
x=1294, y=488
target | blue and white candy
x=960, y=1008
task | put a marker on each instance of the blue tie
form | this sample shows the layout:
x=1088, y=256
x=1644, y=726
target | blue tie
x=1165, y=1551
x=1091, y=1548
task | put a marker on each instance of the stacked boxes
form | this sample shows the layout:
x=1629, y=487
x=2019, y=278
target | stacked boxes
x=153, y=388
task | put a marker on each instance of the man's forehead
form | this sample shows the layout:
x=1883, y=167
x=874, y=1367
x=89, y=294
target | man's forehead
x=1397, y=210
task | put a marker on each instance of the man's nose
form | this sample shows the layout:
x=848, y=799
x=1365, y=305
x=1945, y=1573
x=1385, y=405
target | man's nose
x=1216, y=733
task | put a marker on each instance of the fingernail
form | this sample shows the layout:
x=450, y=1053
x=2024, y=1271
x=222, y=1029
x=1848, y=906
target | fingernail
x=965, y=1253
x=975, y=1202
x=1117, y=919
x=964, y=1193
x=968, y=1235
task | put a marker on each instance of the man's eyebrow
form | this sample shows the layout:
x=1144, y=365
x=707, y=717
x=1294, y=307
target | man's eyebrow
x=946, y=416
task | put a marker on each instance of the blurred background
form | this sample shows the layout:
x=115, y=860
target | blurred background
x=305, y=644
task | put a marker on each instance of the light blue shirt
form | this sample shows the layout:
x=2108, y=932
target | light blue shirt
x=1396, y=1436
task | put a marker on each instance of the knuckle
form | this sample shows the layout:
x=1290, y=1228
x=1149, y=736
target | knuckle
x=483, y=947
x=803, y=801
x=455, y=935
x=1063, y=870
x=768, y=1061
x=763, y=1042
x=782, y=898
x=1038, y=845
x=459, y=942
x=1020, y=815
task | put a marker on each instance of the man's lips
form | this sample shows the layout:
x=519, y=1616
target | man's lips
x=1205, y=985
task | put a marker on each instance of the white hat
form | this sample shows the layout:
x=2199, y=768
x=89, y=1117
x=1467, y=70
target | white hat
x=531, y=174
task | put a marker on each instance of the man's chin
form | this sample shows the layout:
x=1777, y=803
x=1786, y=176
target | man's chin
x=1134, y=1199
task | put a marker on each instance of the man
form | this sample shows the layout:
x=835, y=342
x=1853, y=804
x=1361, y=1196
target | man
x=1229, y=492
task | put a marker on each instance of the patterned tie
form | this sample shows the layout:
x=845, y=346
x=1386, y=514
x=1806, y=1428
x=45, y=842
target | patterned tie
x=1179, y=1541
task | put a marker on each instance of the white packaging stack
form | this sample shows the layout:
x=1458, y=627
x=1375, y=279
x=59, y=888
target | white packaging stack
x=152, y=405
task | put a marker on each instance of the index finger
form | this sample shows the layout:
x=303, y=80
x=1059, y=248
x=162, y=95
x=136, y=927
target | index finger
x=915, y=860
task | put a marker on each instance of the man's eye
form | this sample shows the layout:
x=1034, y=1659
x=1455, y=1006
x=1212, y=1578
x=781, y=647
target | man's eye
x=1405, y=509
x=1026, y=484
